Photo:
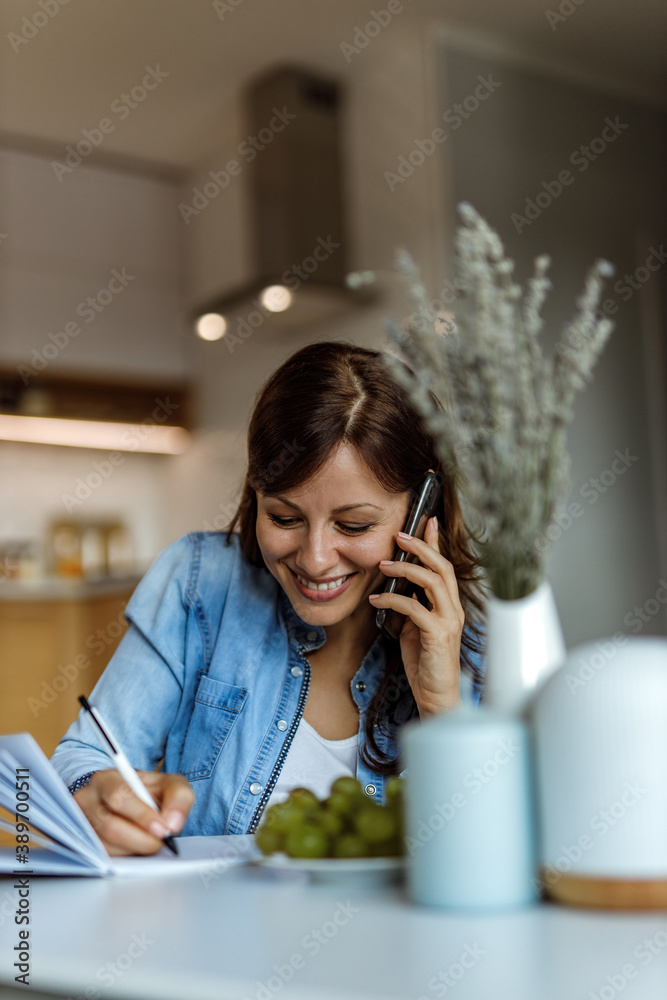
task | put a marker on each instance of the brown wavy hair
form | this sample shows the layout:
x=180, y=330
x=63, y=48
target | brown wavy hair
x=326, y=394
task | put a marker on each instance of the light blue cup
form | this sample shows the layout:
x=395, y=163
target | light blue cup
x=469, y=814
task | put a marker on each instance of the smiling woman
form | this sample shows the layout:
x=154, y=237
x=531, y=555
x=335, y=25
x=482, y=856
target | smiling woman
x=253, y=663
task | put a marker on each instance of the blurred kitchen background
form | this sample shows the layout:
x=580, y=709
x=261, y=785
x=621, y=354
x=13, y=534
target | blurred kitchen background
x=162, y=160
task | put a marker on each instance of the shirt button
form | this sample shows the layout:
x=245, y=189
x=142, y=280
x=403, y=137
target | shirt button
x=256, y=788
x=282, y=725
x=312, y=636
x=369, y=789
x=296, y=671
x=360, y=686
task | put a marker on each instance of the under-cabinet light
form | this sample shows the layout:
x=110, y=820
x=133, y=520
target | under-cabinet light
x=145, y=437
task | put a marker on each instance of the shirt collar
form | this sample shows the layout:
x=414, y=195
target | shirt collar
x=310, y=637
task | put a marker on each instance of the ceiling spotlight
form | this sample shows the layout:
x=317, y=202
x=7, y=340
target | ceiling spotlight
x=276, y=298
x=212, y=326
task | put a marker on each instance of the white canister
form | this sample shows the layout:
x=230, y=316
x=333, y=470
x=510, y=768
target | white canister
x=600, y=737
x=469, y=820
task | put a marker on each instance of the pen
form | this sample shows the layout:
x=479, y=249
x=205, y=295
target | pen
x=123, y=765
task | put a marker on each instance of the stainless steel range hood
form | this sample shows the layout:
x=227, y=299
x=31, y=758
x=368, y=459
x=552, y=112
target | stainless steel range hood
x=297, y=218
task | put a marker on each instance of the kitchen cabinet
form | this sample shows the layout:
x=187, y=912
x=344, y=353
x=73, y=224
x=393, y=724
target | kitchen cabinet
x=90, y=272
x=55, y=641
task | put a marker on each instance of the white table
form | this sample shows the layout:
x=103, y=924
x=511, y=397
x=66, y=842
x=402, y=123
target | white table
x=237, y=936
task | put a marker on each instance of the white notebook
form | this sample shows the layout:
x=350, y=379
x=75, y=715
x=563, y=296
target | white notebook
x=67, y=843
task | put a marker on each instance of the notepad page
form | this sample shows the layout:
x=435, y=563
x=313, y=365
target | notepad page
x=62, y=807
x=47, y=861
x=41, y=804
x=37, y=838
x=47, y=858
x=45, y=816
x=42, y=850
x=211, y=857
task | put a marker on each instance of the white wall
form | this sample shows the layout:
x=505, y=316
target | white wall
x=37, y=480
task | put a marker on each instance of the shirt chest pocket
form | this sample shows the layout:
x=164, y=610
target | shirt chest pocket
x=216, y=708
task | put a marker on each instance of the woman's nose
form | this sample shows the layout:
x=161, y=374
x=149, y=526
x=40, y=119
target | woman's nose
x=317, y=553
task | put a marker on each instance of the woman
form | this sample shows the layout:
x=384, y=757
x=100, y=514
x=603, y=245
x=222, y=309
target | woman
x=253, y=662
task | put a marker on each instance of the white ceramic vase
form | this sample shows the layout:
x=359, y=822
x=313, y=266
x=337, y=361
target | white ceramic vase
x=524, y=647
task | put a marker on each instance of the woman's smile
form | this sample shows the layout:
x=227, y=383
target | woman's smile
x=322, y=590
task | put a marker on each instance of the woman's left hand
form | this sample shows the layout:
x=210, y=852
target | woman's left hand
x=431, y=637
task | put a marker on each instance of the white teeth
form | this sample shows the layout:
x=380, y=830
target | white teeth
x=312, y=585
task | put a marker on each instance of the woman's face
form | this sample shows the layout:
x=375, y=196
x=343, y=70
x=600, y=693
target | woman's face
x=323, y=540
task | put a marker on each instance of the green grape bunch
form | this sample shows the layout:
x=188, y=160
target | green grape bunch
x=344, y=825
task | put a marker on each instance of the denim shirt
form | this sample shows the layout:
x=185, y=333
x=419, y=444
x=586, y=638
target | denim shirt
x=212, y=675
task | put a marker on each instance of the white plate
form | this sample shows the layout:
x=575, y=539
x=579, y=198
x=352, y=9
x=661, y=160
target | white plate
x=340, y=869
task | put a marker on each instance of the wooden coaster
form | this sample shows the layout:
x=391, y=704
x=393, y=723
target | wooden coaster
x=607, y=894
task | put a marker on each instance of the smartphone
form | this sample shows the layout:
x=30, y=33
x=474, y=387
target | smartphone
x=423, y=506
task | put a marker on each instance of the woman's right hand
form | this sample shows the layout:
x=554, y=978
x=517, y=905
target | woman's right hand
x=124, y=824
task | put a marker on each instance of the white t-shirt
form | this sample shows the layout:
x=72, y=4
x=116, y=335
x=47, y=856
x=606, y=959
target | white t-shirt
x=313, y=762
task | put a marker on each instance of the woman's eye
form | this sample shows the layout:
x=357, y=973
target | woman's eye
x=354, y=529
x=283, y=522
